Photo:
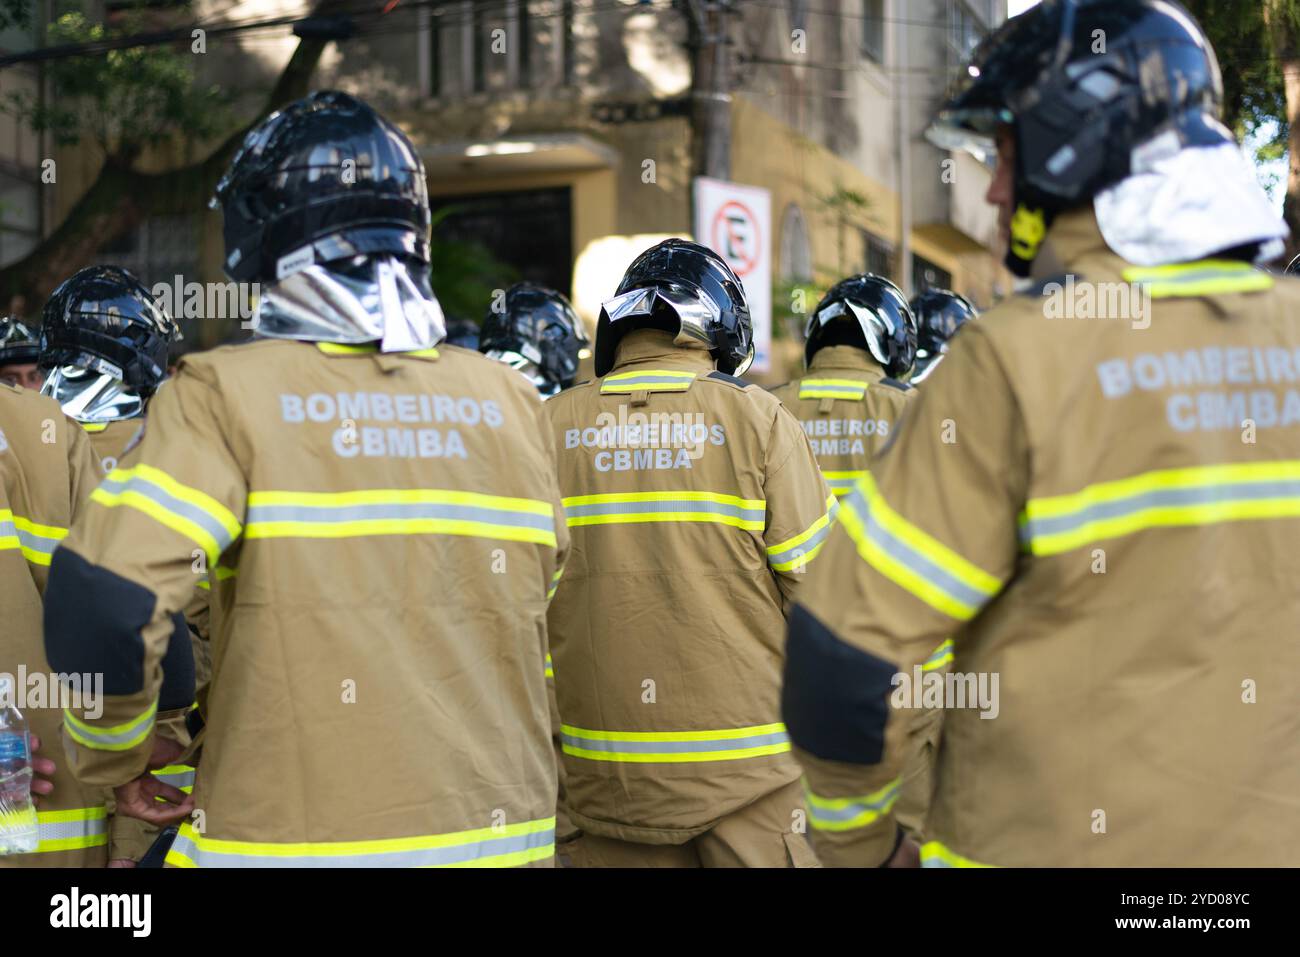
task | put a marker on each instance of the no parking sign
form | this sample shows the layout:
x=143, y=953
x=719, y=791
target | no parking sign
x=736, y=222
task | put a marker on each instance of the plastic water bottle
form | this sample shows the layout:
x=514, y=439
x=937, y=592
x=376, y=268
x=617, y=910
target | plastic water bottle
x=18, y=830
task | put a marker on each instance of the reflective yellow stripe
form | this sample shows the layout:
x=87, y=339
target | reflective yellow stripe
x=367, y=348
x=284, y=514
x=550, y=667
x=223, y=574
x=803, y=548
x=674, y=747
x=647, y=380
x=94, y=426
x=120, y=737
x=1203, y=495
x=555, y=583
x=940, y=657
x=851, y=390
x=913, y=560
x=850, y=813
x=934, y=854
x=37, y=542
x=72, y=829
x=504, y=846
x=842, y=482
x=185, y=510
x=635, y=507
x=1205, y=278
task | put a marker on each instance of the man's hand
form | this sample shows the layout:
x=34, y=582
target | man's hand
x=42, y=770
x=138, y=798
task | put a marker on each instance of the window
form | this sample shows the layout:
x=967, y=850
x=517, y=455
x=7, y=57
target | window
x=873, y=29
x=926, y=275
x=525, y=44
x=162, y=248
x=435, y=50
x=880, y=256
x=566, y=40
x=964, y=33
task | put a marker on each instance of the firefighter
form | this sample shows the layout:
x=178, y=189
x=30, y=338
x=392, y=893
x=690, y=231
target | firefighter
x=537, y=333
x=939, y=314
x=859, y=345
x=1099, y=506
x=19, y=348
x=381, y=522
x=46, y=471
x=695, y=505
x=104, y=342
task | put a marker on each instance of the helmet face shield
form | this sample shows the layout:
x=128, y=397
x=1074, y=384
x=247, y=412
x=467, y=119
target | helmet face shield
x=876, y=326
x=91, y=395
x=696, y=313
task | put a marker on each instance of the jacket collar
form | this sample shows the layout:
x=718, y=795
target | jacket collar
x=1075, y=245
x=655, y=348
x=847, y=358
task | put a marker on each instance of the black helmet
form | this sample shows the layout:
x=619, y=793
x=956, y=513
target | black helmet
x=939, y=314
x=688, y=289
x=537, y=333
x=462, y=332
x=18, y=344
x=869, y=312
x=1095, y=90
x=325, y=178
x=102, y=319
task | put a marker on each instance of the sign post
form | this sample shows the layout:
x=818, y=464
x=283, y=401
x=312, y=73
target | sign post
x=735, y=221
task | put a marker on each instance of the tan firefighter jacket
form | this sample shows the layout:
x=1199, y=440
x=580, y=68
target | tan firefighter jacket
x=47, y=470
x=1097, y=496
x=380, y=533
x=110, y=440
x=848, y=408
x=695, y=506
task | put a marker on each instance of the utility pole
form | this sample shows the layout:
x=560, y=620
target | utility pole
x=710, y=87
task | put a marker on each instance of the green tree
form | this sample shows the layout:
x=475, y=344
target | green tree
x=1256, y=41
x=128, y=101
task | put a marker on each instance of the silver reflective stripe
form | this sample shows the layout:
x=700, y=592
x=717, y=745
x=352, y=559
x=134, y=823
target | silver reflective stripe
x=804, y=547
x=675, y=747
x=156, y=493
x=906, y=555
x=180, y=779
x=843, y=485
x=405, y=511
x=649, y=379
x=416, y=857
x=49, y=831
x=1159, y=498
x=858, y=807
x=843, y=391
x=665, y=505
x=105, y=740
x=30, y=541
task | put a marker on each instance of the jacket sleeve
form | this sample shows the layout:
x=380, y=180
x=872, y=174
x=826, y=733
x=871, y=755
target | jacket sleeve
x=129, y=566
x=799, y=504
x=923, y=543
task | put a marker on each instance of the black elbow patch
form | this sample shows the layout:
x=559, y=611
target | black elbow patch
x=178, y=668
x=93, y=623
x=835, y=698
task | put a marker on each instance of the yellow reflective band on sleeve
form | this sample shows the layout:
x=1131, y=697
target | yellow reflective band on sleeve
x=120, y=737
x=185, y=510
x=71, y=830
x=1204, y=495
x=850, y=813
x=803, y=548
x=555, y=583
x=282, y=514
x=550, y=667
x=940, y=657
x=507, y=845
x=178, y=776
x=37, y=542
x=647, y=380
x=934, y=854
x=223, y=574
x=913, y=560
x=1205, y=278
x=842, y=482
x=637, y=507
x=369, y=348
x=674, y=747
x=852, y=390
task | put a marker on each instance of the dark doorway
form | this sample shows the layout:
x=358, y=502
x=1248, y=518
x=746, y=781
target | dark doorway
x=530, y=231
